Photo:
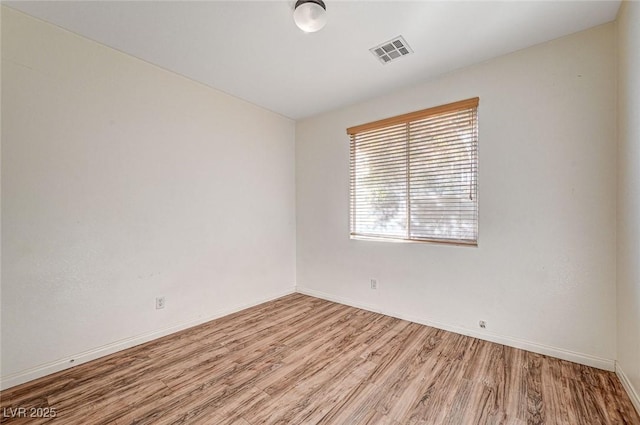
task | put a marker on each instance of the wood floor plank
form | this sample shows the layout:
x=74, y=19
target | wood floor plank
x=512, y=389
x=431, y=391
x=553, y=394
x=404, y=385
x=535, y=405
x=303, y=360
x=355, y=407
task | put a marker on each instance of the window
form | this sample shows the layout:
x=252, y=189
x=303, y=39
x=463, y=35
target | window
x=414, y=177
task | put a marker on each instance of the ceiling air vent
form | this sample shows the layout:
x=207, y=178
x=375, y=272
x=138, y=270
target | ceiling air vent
x=391, y=50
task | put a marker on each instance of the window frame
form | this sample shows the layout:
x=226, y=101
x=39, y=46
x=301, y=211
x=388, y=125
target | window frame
x=471, y=105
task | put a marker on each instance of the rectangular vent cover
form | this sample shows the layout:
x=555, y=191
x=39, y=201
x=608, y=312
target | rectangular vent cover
x=391, y=50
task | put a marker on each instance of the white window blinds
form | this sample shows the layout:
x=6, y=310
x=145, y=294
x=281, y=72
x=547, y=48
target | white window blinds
x=414, y=177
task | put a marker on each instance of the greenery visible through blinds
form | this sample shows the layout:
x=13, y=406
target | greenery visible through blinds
x=415, y=177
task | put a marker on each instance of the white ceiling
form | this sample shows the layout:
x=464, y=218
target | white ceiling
x=254, y=51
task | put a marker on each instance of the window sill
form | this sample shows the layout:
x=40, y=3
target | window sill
x=473, y=244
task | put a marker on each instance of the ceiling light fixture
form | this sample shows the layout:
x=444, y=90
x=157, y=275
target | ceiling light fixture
x=310, y=15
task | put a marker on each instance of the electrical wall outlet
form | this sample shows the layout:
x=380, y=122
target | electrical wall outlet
x=374, y=284
x=159, y=303
x=483, y=324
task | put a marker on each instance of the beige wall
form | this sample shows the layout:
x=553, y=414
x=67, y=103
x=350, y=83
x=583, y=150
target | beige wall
x=543, y=275
x=122, y=182
x=628, y=25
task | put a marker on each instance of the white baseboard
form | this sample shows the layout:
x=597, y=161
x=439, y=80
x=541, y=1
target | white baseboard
x=339, y=300
x=626, y=383
x=560, y=353
x=86, y=356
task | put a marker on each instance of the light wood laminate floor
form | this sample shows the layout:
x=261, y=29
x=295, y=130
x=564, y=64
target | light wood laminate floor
x=302, y=360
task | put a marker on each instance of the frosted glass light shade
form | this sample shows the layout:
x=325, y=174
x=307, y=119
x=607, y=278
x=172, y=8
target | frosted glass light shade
x=310, y=15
